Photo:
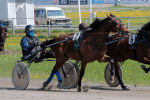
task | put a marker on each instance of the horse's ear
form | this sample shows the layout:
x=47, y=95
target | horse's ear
x=107, y=15
x=111, y=14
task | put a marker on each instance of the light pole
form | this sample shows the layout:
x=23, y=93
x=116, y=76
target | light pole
x=116, y=2
x=90, y=11
x=79, y=11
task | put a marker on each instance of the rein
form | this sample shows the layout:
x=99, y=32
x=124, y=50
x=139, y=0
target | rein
x=106, y=42
x=113, y=22
x=143, y=40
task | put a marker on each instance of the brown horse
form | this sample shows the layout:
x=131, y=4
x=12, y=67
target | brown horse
x=139, y=51
x=92, y=45
x=3, y=36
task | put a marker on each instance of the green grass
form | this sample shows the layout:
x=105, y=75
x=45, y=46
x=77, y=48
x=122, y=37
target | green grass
x=94, y=73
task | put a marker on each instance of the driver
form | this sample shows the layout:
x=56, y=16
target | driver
x=29, y=41
x=30, y=44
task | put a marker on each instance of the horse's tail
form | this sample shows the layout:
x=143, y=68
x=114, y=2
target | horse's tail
x=48, y=53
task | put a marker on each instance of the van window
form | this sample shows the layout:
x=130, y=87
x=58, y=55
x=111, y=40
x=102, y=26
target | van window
x=55, y=13
x=40, y=13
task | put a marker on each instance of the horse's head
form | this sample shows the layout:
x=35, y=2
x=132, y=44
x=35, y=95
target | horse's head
x=3, y=36
x=116, y=24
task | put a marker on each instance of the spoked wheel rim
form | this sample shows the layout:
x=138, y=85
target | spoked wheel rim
x=68, y=75
x=78, y=74
x=20, y=76
x=107, y=75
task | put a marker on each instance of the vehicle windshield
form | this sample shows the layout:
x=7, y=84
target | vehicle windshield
x=55, y=13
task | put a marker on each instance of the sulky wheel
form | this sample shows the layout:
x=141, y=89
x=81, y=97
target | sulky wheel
x=107, y=75
x=78, y=74
x=20, y=76
x=68, y=74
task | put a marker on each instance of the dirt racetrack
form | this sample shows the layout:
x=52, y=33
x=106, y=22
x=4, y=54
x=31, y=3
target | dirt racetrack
x=96, y=92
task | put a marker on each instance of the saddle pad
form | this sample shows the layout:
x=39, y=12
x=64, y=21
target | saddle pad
x=76, y=36
x=132, y=39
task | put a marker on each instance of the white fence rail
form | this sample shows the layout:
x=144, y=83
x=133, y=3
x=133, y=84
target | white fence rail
x=132, y=23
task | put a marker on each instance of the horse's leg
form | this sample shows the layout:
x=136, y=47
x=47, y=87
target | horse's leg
x=81, y=75
x=145, y=69
x=146, y=61
x=112, y=70
x=59, y=63
x=118, y=76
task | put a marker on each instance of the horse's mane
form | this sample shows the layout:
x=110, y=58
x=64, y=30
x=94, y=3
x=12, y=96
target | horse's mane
x=144, y=28
x=95, y=24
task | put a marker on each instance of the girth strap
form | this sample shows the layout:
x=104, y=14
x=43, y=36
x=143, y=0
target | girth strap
x=77, y=45
x=134, y=52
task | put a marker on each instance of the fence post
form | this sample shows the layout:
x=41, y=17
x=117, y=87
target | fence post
x=86, y=20
x=13, y=27
x=49, y=28
x=128, y=24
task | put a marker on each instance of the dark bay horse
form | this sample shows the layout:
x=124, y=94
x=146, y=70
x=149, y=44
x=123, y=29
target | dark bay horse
x=139, y=51
x=3, y=36
x=92, y=45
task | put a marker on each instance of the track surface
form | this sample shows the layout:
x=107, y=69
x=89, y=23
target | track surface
x=96, y=92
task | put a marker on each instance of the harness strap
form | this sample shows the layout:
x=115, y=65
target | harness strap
x=134, y=51
x=106, y=42
x=77, y=45
x=146, y=41
x=135, y=45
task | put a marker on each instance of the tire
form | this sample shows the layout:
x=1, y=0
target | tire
x=107, y=75
x=69, y=75
x=22, y=82
x=78, y=75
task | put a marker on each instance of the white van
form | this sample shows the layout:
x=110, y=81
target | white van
x=55, y=14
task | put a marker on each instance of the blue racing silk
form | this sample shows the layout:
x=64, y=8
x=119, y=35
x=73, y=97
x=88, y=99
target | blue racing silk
x=28, y=43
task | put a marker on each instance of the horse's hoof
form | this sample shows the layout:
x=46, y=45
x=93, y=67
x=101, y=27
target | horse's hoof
x=79, y=89
x=111, y=78
x=84, y=89
x=125, y=88
x=144, y=68
x=45, y=84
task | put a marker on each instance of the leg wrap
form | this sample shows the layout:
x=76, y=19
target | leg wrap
x=58, y=77
x=50, y=77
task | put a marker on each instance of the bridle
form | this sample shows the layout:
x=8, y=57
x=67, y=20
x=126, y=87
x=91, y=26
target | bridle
x=114, y=23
